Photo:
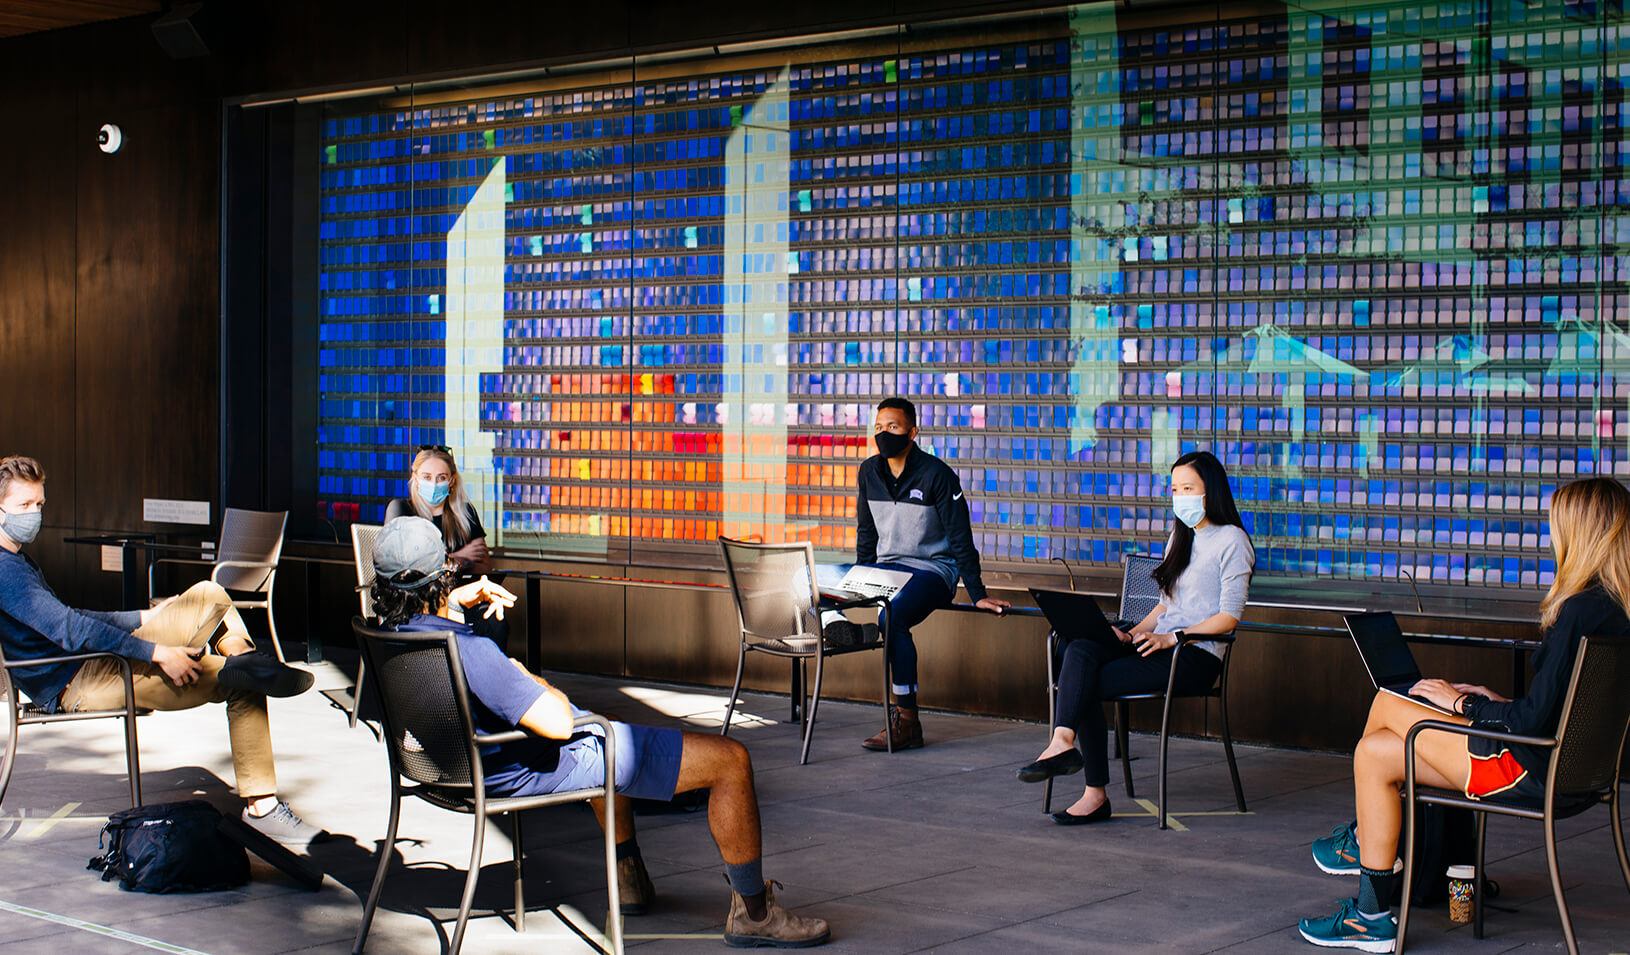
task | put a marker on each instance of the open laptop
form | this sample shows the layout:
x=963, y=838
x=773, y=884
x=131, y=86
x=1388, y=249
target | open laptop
x=863, y=581
x=1075, y=616
x=1387, y=656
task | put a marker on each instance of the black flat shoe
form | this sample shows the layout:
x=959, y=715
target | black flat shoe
x=259, y=673
x=1101, y=814
x=1067, y=763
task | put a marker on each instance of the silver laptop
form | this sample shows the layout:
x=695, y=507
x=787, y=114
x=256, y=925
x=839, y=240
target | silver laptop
x=1387, y=656
x=864, y=581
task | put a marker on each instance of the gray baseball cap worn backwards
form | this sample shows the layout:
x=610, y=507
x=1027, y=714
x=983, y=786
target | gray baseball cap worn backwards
x=410, y=543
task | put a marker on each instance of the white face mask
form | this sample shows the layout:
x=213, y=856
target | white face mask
x=1189, y=508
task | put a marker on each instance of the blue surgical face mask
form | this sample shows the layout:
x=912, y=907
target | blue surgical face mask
x=1189, y=508
x=23, y=528
x=432, y=493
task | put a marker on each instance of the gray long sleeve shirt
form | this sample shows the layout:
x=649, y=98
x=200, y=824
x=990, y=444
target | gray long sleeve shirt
x=1217, y=580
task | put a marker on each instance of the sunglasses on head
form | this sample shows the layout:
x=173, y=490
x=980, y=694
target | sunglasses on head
x=444, y=449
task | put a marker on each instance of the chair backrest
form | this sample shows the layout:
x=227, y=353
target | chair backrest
x=363, y=539
x=1139, y=592
x=774, y=587
x=1595, y=714
x=424, y=705
x=251, y=536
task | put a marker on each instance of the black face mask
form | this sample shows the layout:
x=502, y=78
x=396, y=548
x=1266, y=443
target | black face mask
x=890, y=444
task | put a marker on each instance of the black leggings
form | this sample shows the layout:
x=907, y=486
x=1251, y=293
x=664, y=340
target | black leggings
x=1091, y=672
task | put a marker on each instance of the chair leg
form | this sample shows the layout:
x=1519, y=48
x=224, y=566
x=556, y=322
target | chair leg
x=1165, y=737
x=10, y=758
x=520, y=890
x=385, y=849
x=469, y=884
x=356, y=691
x=1479, y=876
x=1556, y=884
x=1052, y=711
x=814, y=704
x=1228, y=751
x=888, y=702
x=735, y=689
x=133, y=759
x=1123, y=715
x=1618, y=835
x=1409, y=871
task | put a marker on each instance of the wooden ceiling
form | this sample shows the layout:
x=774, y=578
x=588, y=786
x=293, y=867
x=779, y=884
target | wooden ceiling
x=31, y=16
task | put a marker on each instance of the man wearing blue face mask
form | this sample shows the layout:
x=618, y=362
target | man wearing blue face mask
x=913, y=518
x=188, y=651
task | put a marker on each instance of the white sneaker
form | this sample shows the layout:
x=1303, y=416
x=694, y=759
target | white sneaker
x=283, y=826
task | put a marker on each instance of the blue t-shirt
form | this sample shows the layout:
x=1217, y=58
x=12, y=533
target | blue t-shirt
x=500, y=695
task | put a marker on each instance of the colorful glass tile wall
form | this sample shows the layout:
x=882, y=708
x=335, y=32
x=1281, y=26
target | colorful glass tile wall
x=1369, y=257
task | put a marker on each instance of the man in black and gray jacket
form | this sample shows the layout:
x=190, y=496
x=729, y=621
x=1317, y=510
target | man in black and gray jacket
x=913, y=517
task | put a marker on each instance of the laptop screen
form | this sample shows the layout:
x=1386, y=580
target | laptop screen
x=1385, y=650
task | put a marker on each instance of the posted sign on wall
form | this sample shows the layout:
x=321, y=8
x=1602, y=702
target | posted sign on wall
x=159, y=511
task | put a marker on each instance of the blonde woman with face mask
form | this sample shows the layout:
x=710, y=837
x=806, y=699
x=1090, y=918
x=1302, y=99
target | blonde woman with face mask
x=436, y=493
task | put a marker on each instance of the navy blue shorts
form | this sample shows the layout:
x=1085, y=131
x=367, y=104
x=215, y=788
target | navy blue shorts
x=647, y=760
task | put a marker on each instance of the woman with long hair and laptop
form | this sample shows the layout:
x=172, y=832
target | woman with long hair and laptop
x=1203, y=582
x=1589, y=595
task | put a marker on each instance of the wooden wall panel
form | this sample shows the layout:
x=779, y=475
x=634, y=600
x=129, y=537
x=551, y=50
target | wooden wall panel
x=37, y=268
x=146, y=350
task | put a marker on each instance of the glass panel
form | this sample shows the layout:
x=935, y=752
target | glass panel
x=1368, y=253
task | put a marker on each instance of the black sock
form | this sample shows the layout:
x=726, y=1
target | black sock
x=1375, y=891
x=906, y=701
x=628, y=849
x=757, y=906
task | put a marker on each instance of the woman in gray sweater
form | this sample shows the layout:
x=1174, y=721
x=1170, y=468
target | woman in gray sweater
x=1203, y=582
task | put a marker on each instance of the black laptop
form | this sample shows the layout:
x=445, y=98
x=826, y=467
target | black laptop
x=1387, y=655
x=1076, y=616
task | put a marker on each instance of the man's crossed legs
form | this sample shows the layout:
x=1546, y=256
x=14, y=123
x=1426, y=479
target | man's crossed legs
x=228, y=672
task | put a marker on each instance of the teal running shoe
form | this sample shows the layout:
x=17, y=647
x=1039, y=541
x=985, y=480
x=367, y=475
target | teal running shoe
x=1337, y=853
x=1348, y=928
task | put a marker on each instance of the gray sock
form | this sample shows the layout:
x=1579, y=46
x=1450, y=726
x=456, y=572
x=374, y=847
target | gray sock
x=747, y=878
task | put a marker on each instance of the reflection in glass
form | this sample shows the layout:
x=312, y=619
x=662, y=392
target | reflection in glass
x=1368, y=253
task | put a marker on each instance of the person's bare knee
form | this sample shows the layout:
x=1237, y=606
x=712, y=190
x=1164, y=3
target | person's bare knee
x=705, y=761
x=1378, y=757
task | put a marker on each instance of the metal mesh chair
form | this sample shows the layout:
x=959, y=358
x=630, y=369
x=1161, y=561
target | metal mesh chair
x=1139, y=595
x=20, y=714
x=245, y=561
x=777, y=604
x=1583, y=771
x=363, y=539
x=430, y=737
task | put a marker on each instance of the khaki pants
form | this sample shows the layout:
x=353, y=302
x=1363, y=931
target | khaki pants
x=99, y=686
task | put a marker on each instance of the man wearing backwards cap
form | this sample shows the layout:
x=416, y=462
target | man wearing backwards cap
x=413, y=590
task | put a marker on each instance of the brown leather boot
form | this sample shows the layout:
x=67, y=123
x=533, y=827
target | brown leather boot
x=907, y=731
x=634, y=888
x=778, y=929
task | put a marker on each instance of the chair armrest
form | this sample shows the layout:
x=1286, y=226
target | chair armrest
x=67, y=658
x=1479, y=732
x=1189, y=638
x=244, y=564
x=512, y=736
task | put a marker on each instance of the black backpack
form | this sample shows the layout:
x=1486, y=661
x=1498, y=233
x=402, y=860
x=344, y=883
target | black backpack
x=170, y=847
